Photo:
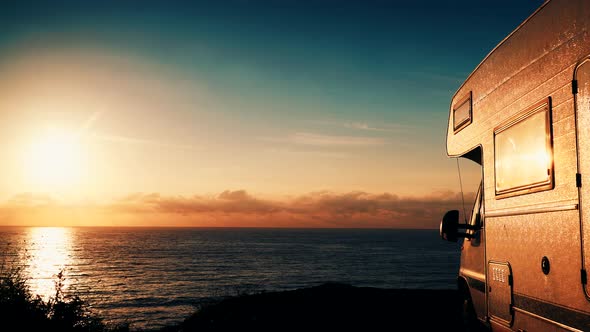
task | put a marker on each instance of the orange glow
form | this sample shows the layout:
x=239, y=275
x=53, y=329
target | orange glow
x=133, y=128
x=53, y=160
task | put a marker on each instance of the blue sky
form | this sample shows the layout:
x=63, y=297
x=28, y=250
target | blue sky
x=392, y=61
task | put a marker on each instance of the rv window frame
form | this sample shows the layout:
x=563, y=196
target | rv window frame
x=457, y=127
x=476, y=218
x=543, y=106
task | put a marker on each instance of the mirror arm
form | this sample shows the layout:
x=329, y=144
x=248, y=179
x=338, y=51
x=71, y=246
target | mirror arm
x=465, y=235
x=470, y=227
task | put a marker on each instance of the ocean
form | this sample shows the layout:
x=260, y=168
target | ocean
x=151, y=277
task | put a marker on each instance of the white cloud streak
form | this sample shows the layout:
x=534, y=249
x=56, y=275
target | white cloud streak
x=140, y=141
x=305, y=138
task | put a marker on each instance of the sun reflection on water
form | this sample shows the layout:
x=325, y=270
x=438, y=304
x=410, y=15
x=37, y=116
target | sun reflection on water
x=48, y=252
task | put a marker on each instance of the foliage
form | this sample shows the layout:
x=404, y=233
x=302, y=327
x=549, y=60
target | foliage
x=20, y=310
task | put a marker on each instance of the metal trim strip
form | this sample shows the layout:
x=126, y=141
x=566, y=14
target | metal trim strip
x=564, y=317
x=529, y=210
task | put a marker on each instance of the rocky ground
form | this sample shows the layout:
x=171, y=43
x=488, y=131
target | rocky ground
x=332, y=307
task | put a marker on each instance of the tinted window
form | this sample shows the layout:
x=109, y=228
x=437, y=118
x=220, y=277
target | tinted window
x=523, y=152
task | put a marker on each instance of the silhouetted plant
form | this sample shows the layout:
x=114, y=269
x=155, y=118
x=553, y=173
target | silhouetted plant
x=20, y=310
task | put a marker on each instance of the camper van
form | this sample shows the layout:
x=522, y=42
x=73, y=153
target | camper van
x=523, y=116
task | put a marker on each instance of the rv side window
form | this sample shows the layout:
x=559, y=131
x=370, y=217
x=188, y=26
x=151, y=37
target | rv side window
x=523, y=152
x=462, y=113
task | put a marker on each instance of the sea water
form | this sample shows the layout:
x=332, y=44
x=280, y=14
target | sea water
x=151, y=277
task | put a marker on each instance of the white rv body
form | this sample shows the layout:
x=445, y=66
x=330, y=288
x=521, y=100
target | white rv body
x=524, y=115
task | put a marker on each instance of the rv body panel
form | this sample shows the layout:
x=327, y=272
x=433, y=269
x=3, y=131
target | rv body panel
x=538, y=234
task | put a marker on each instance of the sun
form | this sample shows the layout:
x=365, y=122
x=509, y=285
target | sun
x=54, y=160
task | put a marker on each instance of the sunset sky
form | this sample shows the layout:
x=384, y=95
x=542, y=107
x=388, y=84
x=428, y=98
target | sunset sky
x=236, y=113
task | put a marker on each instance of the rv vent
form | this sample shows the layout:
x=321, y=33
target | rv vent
x=500, y=300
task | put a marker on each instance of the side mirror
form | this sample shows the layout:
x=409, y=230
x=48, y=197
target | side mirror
x=449, y=227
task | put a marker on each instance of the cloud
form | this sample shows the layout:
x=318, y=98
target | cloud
x=365, y=126
x=381, y=128
x=31, y=200
x=361, y=126
x=355, y=209
x=90, y=121
x=139, y=141
x=239, y=208
x=227, y=202
x=305, y=138
x=308, y=153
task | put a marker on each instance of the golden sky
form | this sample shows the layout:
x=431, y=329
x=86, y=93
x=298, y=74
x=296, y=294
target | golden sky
x=162, y=119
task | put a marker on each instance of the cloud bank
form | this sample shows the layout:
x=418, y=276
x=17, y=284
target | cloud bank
x=239, y=208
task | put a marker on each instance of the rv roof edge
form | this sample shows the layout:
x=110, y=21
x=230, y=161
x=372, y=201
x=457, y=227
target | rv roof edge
x=497, y=46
